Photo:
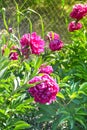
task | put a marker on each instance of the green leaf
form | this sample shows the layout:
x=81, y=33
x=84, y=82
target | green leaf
x=60, y=95
x=21, y=125
x=81, y=121
x=44, y=118
x=28, y=68
x=83, y=87
x=2, y=72
x=73, y=95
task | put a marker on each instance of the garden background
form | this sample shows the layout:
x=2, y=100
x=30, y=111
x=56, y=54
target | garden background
x=18, y=110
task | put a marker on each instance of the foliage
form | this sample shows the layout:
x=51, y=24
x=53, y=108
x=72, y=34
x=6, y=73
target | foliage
x=17, y=108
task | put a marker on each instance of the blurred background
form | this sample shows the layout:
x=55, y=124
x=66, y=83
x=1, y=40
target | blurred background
x=55, y=15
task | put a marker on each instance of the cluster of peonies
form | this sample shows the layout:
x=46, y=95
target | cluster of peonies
x=44, y=90
x=78, y=12
x=55, y=44
x=33, y=44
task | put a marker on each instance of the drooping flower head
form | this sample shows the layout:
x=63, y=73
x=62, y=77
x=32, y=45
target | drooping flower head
x=79, y=11
x=45, y=89
x=56, y=45
x=74, y=26
x=45, y=69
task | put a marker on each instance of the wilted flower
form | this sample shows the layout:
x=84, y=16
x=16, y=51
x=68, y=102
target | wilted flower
x=45, y=69
x=45, y=89
x=79, y=11
x=55, y=45
x=74, y=26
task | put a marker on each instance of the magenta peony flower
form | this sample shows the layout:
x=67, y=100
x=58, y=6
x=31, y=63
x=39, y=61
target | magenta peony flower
x=25, y=42
x=13, y=56
x=55, y=45
x=79, y=11
x=74, y=26
x=32, y=43
x=52, y=35
x=45, y=69
x=45, y=91
x=36, y=44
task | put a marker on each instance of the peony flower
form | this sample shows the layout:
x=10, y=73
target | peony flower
x=36, y=44
x=55, y=45
x=74, y=26
x=52, y=35
x=13, y=56
x=79, y=11
x=32, y=43
x=25, y=42
x=45, y=69
x=45, y=91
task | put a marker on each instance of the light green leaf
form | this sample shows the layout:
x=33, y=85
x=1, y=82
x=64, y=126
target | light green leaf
x=21, y=125
x=60, y=95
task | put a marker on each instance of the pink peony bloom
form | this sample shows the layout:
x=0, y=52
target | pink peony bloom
x=36, y=44
x=13, y=56
x=55, y=45
x=74, y=26
x=52, y=35
x=45, y=69
x=32, y=43
x=25, y=42
x=79, y=11
x=45, y=91
x=35, y=80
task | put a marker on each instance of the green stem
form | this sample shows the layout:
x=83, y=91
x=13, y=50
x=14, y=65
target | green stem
x=42, y=24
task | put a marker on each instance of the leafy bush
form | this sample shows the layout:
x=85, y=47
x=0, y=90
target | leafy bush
x=25, y=65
